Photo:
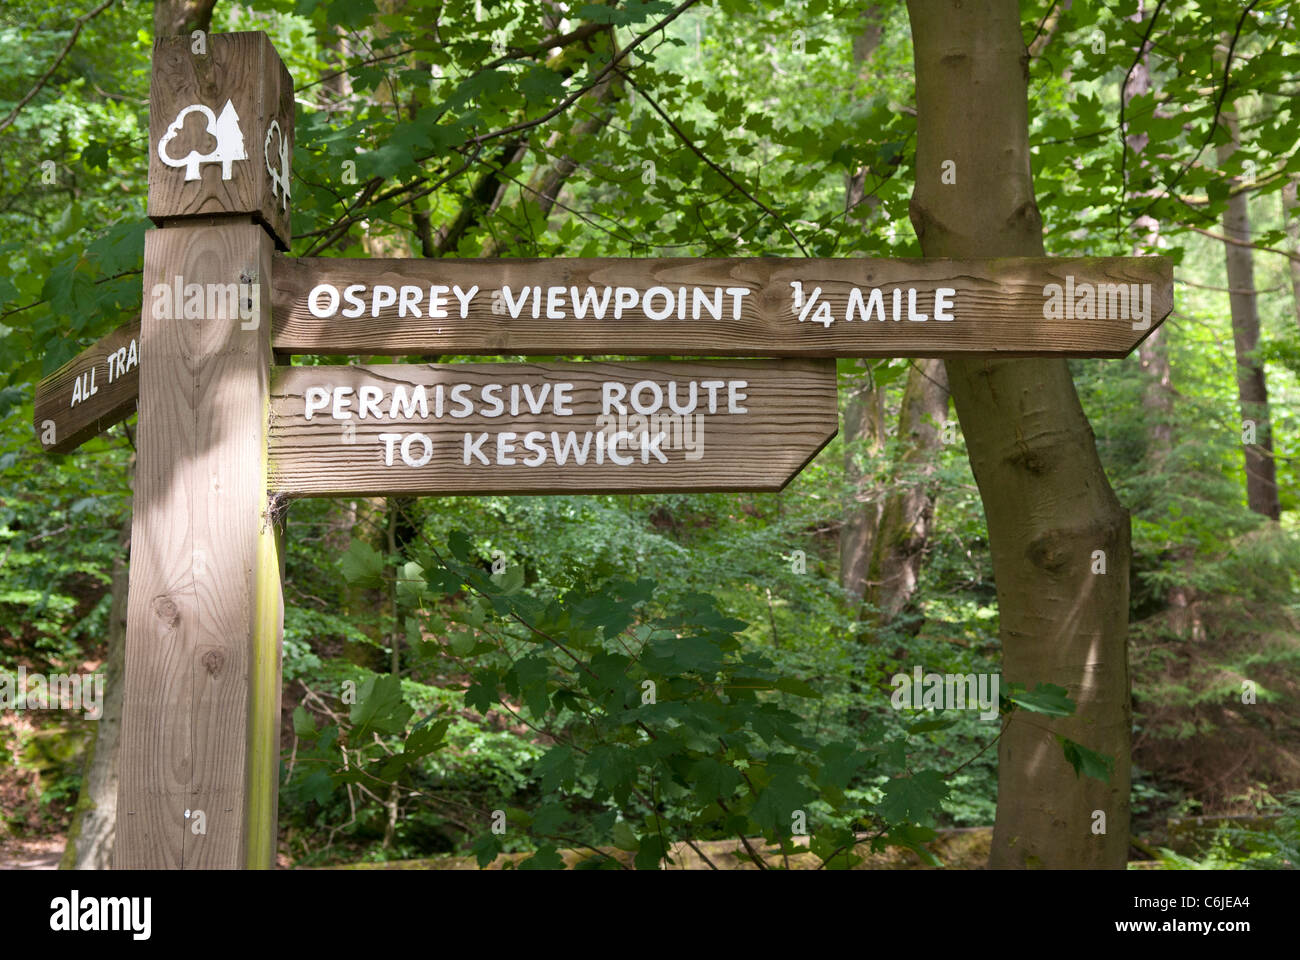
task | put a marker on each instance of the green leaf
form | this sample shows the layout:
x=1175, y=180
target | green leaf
x=379, y=707
x=362, y=565
x=713, y=780
x=410, y=583
x=304, y=724
x=840, y=761
x=625, y=837
x=462, y=642
x=1087, y=762
x=652, y=850
x=613, y=765
x=1045, y=698
x=459, y=545
x=422, y=742
x=798, y=688
x=549, y=818
x=481, y=696
x=532, y=674
x=834, y=847
x=913, y=799
x=486, y=849
x=926, y=726
x=546, y=858
x=540, y=85
x=318, y=786
x=95, y=155
x=914, y=838
x=557, y=768
x=785, y=793
x=509, y=580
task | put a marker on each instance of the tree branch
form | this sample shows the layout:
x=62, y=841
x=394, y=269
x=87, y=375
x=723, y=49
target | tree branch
x=713, y=166
x=80, y=22
x=1218, y=109
x=605, y=71
x=1243, y=243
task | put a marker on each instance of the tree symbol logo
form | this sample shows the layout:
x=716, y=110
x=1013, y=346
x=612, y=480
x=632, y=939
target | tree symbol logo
x=279, y=178
x=224, y=128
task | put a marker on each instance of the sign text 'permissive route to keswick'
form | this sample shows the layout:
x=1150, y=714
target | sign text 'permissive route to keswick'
x=547, y=427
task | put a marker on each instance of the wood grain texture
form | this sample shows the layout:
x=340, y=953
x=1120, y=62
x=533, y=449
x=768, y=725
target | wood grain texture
x=114, y=374
x=791, y=414
x=998, y=307
x=244, y=69
x=203, y=612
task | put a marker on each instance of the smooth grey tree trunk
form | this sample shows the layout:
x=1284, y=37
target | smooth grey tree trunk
x=1252, y=390
x=864, y=416
x=864, y=411
x=1291, y=218
x=1047, y=501
x=907, y=518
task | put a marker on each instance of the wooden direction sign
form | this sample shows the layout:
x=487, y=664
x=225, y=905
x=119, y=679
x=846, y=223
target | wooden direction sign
x=547, y=427
x=1085, y=307
x=1015, y=307
x=222, y=428
x=91, y=392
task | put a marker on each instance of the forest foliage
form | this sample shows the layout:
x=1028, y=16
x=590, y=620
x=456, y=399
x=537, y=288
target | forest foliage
x=629, y=673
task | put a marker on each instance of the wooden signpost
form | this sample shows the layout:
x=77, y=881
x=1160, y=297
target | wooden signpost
x=222, y=429
x=91, y=392
x=1030, y=307
x=548, y=427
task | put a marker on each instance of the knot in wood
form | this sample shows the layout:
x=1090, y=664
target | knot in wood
x=213, y=661
x=165, y=609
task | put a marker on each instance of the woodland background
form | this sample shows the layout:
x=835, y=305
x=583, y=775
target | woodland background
x=481, y=634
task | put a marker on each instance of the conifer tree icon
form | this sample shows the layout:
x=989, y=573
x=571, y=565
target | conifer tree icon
x=230, y=139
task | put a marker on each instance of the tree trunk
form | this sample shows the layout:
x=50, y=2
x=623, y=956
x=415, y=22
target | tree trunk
x=94, y=820
x=172, y=18
x=908, y=514
x=539, y=197
x=1292, y=223
x=1252, y=391
x=1048, y=503
x=889, y=538
x=864, y=424
x=864, y=413
x=1153, y=359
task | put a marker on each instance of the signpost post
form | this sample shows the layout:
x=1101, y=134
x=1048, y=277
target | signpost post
x=200, y=723
x=222, y=429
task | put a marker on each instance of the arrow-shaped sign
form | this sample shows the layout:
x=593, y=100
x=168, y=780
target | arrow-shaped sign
x=89, y=393
x=1040, y=306
x=547, y=427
